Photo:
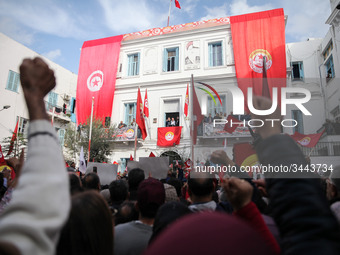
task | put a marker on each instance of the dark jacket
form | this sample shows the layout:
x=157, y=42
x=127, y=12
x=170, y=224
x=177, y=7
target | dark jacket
x=299, y=206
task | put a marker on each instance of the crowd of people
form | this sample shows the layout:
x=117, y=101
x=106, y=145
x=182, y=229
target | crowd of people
x=49, y=210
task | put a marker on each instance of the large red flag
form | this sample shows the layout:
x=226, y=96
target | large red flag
x=140, y=116
x=186, y=105
x=14, y=136
x=177, y=4
x=168, y=136
x=146, y=104
x=97, y=77
x=307, y=140
x=255, y=36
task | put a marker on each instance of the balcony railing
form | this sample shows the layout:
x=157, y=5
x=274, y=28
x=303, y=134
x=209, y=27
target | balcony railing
x=323, y=149
x=58, y=109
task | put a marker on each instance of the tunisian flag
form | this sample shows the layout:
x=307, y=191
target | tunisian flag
x=140, y=116
x=186, y=105
x=97, y=77
x=307, y=140
x=255, y=36
x=146, y=104
x=14, y=136
x=197, y=115
x=168, y=136
x=177, y=4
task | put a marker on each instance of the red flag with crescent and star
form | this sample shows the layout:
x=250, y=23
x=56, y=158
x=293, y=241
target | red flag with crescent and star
x=177, y=4
x=255, y=36
x=140, y=115
x=186, y=105
x=97, y=77
x=146, y=104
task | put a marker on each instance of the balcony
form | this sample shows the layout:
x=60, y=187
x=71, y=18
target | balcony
x=57, y=112
x=323, y=149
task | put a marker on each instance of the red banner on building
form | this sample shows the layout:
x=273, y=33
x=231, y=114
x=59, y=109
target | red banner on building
x=255, y=36
x=97, y=77
x=168, y=136
x=307, y=140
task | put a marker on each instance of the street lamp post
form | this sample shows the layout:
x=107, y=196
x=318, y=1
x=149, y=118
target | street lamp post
x=5, y=107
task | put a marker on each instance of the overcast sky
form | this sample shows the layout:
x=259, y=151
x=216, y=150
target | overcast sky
x=58, y=28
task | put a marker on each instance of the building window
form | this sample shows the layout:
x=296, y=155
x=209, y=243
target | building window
x=297, y=71
x=130, y=113
x=22, y=125
x=52, y=101
x=328, y=50
x=297, y=115
x=133, y=64
x=329, y=68
x=171, y=59
x=215, y=108
x=61, y=133
x=215, y=54
x=13, y=81
x=335, y=112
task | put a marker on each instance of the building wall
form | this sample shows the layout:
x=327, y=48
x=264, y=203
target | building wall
x=12, y=53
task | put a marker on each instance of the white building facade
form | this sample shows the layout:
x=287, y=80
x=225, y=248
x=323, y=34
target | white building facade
x=63, y=95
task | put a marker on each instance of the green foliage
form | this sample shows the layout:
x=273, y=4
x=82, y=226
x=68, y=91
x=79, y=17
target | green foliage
x=19, y=143
x=101, y=140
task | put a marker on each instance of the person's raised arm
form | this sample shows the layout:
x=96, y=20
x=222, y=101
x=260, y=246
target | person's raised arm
x=41, y=201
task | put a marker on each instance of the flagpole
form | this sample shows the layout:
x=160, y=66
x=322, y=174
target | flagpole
x=53, y=115
x=169, y=13
x=192, y=121
x=135, y=149
x=88, y=155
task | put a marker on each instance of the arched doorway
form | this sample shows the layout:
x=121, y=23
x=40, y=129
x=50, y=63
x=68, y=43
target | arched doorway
x=173, y=156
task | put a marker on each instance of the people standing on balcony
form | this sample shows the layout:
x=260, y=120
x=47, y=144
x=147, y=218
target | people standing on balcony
x=208, y=119
x=121, y=125
x=177, y=121
x=173, y=122
x=168, y=122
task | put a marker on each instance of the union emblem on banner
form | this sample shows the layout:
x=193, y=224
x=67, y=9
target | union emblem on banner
x=256, y=60
x=169, y=136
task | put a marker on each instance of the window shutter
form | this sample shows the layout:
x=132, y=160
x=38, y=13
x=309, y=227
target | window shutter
x=210, y=49
x=177, y=60
x=165, y=60
x=138, y=61
x=301, y=70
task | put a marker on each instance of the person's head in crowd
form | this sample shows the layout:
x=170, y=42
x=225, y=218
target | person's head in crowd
x=135, y=177
x=118, y=192
x=177, y=184
x=126, y=212
x=150, y=196
x=91, y=181
x=89, y=228
x=170, y=193
x=167, y=214
x=105, y=193
x=333, y=184
x=75, y=183
x=207, y=233
x=201, y=187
